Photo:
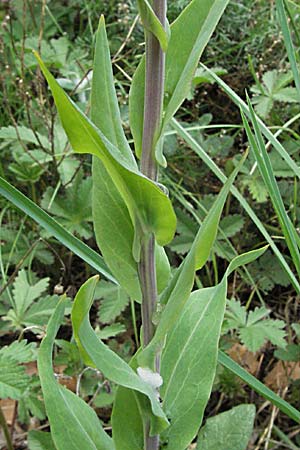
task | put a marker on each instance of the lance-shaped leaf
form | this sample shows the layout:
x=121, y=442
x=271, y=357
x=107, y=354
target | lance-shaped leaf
x=180, y=287
x=229, y=430
x=189, y=35
x=149, y=208
x=113, y=227
x=265, y=167
x=102, y=357
x=189, y=358
x=152, y=23
x=74, y=424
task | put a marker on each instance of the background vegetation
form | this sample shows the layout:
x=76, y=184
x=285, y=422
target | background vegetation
x=261, y=329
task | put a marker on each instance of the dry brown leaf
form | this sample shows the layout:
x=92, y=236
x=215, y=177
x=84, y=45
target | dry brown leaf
x=248, y=360
x=281, y=375
x=8, y=407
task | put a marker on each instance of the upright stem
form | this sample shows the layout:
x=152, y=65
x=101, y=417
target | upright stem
x=6, y=433
x=154, y=90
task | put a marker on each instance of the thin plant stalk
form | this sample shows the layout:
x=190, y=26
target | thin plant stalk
x=6, y=432
x=154, y=89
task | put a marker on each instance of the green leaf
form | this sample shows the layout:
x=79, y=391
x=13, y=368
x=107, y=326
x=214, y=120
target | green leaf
x=39, y=312
x=127, y=424
x=13, y=379
x=20, y=351
x=254, y=336
x=127, y=421
x=25, y=294
x=105, y=111
x=110, y=331
x=40, y=440
x=189, y=35
x=229, y=430
x=220, y=175
x=74, y=425
x=43, y=219
x=113, y=227
x=76, y=219
x=152, y=23
x=114, y=301
x=177, y=292
x=264, y=129
x=24, y=134
x=283, y=21
x=259, y=387
x=265, y=167
x=189, y=358
x=102, y=357
x=290, y=353
x=149, y=208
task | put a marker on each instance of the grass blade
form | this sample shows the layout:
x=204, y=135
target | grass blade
x=258, y=386
x=264, y=129
x=194, y=145
x=42, y=218
x=265, y=167
x=282, y=18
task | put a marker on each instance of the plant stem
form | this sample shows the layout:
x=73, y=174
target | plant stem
x=154, y=91
x=4, y=426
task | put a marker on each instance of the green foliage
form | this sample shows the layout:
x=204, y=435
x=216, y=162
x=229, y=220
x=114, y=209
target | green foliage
x=13, y=379
x=275, y=87
x=253, y=327
x=187, y=229
x=114, y=301
x=186, y=44
x=128, y=208
x=40, y=440
x=31, y=306
x=76, y=220
x=74, y=422
x=108, y=362
x=228, y=430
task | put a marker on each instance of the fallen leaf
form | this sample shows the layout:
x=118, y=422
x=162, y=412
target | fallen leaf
x=281, y=375
x=248, y=360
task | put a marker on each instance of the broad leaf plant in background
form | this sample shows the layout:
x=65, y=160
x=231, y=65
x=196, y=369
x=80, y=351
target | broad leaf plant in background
x=163, y=391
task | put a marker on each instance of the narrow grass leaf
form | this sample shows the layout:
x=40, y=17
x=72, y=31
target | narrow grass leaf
x=258, y=386
x=265, y=167
x=102, y=357
x=189, y=358
x=283, y=21
x=186, y=136
x=55, y=229
x=264, y=129
x=149, y=208
x=74, y=424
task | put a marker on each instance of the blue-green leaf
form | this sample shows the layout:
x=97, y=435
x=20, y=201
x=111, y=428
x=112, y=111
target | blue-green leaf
x=189, y=358
x=229, y=430
x=102, y=357
x=74, y=424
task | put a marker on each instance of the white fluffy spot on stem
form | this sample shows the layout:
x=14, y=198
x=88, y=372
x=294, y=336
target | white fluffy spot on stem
x=152, y=378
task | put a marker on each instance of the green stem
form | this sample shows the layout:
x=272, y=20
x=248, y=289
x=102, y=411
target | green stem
x=4, y=426
x=154, y=91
